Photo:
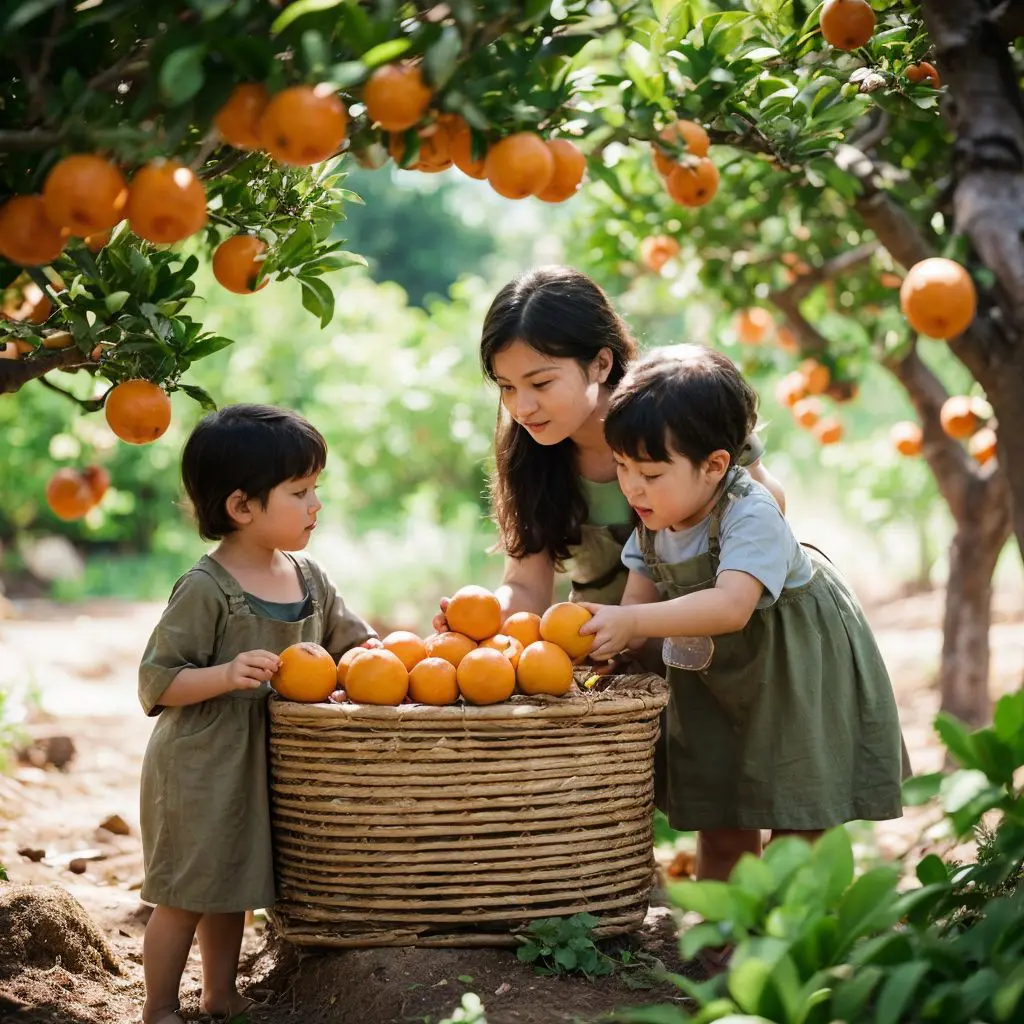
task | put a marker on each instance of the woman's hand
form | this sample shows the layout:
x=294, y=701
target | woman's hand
x=613, y=628
x=440, y=623
x=251, y=669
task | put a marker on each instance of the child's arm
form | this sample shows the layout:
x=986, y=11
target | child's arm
x=725, y=608
x=193, y=685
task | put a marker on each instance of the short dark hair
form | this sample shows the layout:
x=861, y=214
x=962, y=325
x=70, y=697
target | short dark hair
x=247, y=448
x=691, y=401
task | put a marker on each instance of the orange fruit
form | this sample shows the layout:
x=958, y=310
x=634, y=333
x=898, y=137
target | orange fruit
x=451, y=646
x=96, y=242
x=58, y=340
x=166, y=202
x=435, y=150
x=807, y=412
x=828, y=430
x=377, y=677
x=9, y=350
x=682, y=133
x=520, y=165
x=693, y=186
x=570, y=166
x=791, y=389
x=26, y=235
x=433, y=681
x=408, y=647
x=236, y=263
x=787, y=339
x=753, y=326
x=924, y=72
x=906, y=437
x=306, y=673
x=816, y=376
x=35, y=306
x=888, y=280
x=524, y=626
x=938, y=298
x=475, y=612
x=847, y=24
x=982, y=445
x=486, y=677
x=238, y=121
x=138, y=411
x=84, y=194
x=396, y=97
x=657, y=250
x=561, y=623
x=304, y=125
x=544, y=668
x=68, y=494
x=504, y=644
x=461, y=143
x=98, y=481
x=958, y=417
x=346, y=660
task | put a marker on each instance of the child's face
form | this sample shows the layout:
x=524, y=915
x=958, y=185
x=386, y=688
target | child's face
x=288, y=521
x=551, y=397
x=671, y=495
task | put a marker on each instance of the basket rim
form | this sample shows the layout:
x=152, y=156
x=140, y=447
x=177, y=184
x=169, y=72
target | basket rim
x=623, y=694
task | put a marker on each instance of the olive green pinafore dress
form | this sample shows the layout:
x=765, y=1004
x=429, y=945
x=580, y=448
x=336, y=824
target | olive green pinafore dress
x=794, y=724
x=205, y=811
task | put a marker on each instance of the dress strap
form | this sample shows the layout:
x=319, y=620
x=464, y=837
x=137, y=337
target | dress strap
x=228, y=584
x=306, y=572
x=736, y=483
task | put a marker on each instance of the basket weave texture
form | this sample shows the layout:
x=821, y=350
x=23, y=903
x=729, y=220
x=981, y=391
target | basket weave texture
x=457, y=826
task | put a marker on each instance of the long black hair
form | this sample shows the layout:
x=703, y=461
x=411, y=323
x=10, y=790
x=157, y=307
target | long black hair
x=536, y=495
x=692, y=401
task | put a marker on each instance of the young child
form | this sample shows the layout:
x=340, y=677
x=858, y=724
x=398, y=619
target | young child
x=250, y=472
x=792, y=725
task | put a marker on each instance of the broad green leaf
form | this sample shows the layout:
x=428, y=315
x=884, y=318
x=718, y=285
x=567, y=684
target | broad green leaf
x=442, y=57
x=318, y=298
x=296, y=10
x=932, y=870
x=867, y=902
x=199, y=395
x=897, y=992
x=1008, y=721
x=956, y=738
x=921, y=788
x=181, y=74
x=714, y=901
x=116, y=300
x=747, y=982
x=385, y=53
x=833, y=863
x=1008, y=998
x=850, y=997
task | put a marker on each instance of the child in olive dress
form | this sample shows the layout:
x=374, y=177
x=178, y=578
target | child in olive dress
x=250, y=472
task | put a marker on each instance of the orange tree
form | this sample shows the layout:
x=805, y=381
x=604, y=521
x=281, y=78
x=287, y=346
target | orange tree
x=211, y=127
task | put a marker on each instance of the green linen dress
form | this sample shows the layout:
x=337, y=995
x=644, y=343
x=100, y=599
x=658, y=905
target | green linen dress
x=794, y=724
x=205, y=810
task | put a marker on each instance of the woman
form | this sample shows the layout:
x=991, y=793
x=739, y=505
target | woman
x=556, y=348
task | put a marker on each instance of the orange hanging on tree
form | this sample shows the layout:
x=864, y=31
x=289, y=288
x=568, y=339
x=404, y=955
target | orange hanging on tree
x=304, y=124
x=85, y=194
x=166, y=202
x=138, y=411
x=237, y=262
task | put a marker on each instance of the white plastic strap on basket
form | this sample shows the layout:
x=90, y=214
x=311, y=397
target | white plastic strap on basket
x=692, y=653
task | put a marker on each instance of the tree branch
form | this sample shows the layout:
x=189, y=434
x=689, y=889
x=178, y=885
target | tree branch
x=1008, y=18
x=950, y=464
x=15, y=373
x=24, y=141
x=86, y=404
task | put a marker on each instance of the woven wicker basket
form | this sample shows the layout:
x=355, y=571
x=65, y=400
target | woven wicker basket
x=456, y=826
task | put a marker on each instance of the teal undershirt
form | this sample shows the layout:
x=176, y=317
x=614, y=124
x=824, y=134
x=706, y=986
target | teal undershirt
x=281, y=611
x=606, y=503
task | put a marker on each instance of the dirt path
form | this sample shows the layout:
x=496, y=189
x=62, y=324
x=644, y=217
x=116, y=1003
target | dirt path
x=81, y=661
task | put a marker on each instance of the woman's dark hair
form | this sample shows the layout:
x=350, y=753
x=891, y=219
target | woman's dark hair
x=536, y=494
x=247, y=448
x=692, y=402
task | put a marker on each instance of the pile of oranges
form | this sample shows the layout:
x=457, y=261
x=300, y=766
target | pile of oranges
x=478, y=659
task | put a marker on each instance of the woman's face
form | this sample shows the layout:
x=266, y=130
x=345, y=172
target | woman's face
x=551, y=397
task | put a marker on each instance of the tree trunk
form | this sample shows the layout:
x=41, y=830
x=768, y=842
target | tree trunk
x=980, y=535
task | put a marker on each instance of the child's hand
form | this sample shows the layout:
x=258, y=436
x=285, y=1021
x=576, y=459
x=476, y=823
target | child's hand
x=440, y=623
x=613, y=628
x=371, y=643
x=251, y=669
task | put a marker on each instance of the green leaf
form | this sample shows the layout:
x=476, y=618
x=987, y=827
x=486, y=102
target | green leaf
x=199, y=395
x=1008, y=721
x=850, y=997
x=832, y=858
x=1005, y=1001
x=385, y=53
x=181, y=74
x=956, y=738
x=867, y=902
x=206, y=347
x=116, y=300
x=29, y=11
x=921, y=788
x=466, y=979
x=441, y=59
x=294, y=11
x=747, y=982
x=699, y=937
x=898, y=990
x=712, y=900
x=565, y=957
x=932, y=870
x=664, y=1014
x=318, y=298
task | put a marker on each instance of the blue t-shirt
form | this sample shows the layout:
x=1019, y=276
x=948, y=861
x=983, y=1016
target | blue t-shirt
x=755, y=538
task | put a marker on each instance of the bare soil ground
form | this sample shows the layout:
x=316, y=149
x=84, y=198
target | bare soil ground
x=78, y=961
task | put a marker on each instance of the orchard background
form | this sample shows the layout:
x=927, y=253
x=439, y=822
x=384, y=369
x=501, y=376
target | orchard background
x=312, y=204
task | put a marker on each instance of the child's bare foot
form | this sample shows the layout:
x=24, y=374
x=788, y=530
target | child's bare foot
x=237, y=1006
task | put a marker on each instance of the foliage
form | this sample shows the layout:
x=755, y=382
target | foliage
x=561, y=945
x=814, y=943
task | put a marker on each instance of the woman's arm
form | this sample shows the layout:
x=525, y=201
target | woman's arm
x=762, y=476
